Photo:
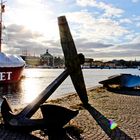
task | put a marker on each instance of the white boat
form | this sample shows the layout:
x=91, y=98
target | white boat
x=11, y=66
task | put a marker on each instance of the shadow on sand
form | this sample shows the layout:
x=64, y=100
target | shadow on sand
x=70, y=133
x=7, y=134
x=67, y=133
x=104, y=123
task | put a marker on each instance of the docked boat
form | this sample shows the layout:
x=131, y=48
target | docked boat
x=11, y=66
x=122, y=80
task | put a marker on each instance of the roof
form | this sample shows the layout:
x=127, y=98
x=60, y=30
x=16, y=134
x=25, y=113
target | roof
x=47, y=55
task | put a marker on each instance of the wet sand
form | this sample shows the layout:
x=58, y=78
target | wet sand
x=113, y=114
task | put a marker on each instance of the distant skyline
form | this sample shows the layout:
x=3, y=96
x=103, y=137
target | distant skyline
x=103, y=30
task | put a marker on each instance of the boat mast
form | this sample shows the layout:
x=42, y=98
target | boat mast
x=2, y=6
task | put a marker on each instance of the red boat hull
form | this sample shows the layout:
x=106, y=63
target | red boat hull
x=10, y=74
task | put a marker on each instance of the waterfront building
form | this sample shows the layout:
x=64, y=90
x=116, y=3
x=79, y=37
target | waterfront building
x=46, y=59
x=88, y=63
x=97, y=64
x=31, y=61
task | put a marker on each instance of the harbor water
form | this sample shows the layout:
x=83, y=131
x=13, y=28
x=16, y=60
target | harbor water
x=36, y=80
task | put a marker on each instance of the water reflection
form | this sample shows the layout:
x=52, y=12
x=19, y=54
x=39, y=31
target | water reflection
x=30, y=85
x=31, y=88
x=12, y=92
x=10, y=88
x=36, y=80
x=25, y=91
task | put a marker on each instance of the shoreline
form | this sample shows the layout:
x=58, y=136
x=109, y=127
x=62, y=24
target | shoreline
x=120, y=106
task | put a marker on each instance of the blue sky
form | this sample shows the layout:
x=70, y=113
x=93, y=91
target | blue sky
x=103, y=30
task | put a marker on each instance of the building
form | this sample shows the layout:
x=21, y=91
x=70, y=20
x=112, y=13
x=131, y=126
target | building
x=88, y=63
x=46, y=59
x=31, y=61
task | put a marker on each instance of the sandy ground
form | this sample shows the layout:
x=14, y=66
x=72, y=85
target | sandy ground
x=113, y=114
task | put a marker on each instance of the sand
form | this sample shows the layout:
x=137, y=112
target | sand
x=113, y=114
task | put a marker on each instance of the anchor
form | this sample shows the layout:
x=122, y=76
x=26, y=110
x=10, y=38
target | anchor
x=54, y=117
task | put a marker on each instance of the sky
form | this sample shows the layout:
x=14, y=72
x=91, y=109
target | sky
x=101, y=29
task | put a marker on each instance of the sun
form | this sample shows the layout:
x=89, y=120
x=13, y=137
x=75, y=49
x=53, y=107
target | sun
x=35, y=16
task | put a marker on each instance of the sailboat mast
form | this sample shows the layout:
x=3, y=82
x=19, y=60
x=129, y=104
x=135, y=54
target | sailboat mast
x=2, y=6
x=0, y=24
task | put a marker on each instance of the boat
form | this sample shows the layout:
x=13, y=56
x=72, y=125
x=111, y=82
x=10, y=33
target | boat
x=11, y=66
x=122, y=80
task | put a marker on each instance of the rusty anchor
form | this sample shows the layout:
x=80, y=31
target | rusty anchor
x=52, y=114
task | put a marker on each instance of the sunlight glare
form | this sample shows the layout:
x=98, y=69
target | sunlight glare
x=36, y=16
x=31, y=89
x=31, y=85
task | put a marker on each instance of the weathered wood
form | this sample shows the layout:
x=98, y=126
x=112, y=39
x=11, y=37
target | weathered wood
x=72, y=61
x=73, y=68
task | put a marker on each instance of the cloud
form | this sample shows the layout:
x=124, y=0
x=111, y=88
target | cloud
x=125, y=20
x=21, y=31
x=135, y=1
x=32, y=14
x=20, y=39
x=99, y=29
x=122, y=51
x=84, y=44
x=109, y=9
x=136, y=40
x=60, y=0
x=95, y=29
x=102, y=51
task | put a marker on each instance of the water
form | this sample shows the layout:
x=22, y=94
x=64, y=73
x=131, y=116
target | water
x=38, y=79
